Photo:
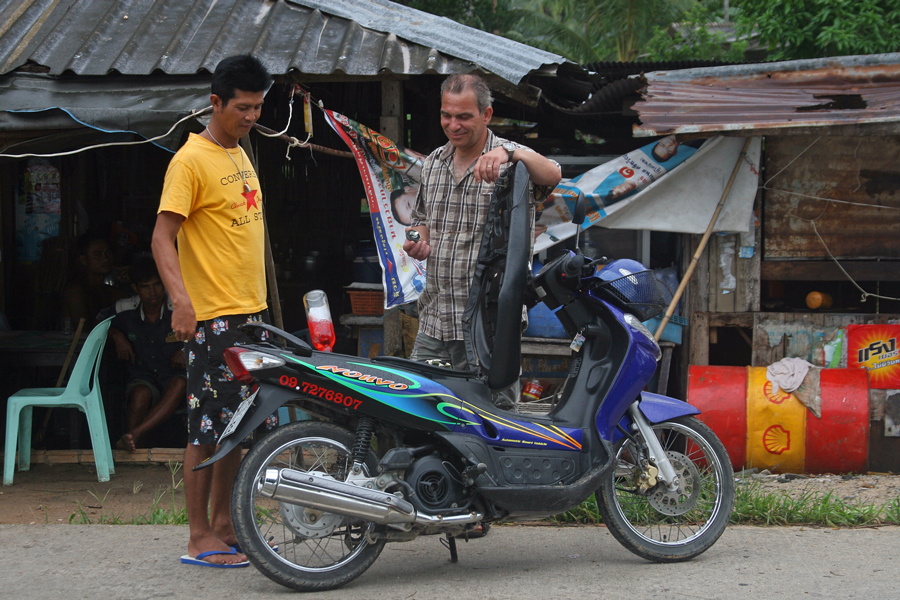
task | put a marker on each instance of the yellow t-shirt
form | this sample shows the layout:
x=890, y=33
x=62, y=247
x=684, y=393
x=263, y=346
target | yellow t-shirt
x=221, y=241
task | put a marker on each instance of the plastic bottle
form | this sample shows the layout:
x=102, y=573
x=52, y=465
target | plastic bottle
x=532, y=392
x=318, y=317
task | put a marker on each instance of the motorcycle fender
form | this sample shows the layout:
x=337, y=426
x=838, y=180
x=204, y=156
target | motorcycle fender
x=269, y=399
x=659, y=408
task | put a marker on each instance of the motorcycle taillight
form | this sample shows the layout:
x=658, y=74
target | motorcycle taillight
x=234, y=362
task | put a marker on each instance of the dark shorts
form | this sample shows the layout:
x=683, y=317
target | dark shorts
x=213, y=393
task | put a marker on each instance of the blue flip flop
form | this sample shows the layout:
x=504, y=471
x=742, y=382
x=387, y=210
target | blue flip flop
x=199, y=562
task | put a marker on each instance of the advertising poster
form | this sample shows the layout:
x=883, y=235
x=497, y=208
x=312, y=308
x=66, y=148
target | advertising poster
x=37, y=210
x=391, y=177
x=605, y=186
x=874, y=347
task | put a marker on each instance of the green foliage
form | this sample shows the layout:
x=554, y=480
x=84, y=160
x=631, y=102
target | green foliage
x=694, y=40
x=794, y=29
x=755, y=506
x=593, y=30
x=487, y=15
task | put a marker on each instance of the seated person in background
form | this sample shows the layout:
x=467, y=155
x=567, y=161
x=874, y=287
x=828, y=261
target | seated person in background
x=143, y=336
x=87, y=294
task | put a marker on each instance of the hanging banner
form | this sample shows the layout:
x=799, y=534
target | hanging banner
x=875, y=348
x=391, y=177
x=662, y=186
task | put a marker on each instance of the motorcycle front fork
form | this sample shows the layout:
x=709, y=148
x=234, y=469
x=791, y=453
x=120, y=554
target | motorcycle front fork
x=657, y=454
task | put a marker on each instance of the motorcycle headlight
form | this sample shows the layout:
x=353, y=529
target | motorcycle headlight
x=634, y=323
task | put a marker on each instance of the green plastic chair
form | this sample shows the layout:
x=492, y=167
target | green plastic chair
x=81, y=392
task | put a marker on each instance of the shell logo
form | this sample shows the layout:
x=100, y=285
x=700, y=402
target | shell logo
x=776, y=439
x=774, y=397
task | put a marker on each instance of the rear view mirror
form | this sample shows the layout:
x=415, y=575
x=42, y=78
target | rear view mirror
x=580, y=209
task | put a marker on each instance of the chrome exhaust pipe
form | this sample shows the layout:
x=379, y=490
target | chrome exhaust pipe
x=319, y=492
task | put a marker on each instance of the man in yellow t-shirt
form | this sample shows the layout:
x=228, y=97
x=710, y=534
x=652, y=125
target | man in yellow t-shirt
x=212, y=207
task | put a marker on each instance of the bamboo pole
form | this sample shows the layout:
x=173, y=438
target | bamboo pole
x=293, y=140
x=696, y=258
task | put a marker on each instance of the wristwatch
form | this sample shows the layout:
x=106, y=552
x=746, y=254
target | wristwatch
x=510, y=149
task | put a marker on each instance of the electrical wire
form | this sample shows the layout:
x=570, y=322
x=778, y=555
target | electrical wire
x=193, y=114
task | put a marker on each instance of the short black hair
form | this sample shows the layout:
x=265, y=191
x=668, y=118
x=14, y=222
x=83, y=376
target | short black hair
x=143, y=269
x=86, y=239
x=241, y=72
x=394, y=195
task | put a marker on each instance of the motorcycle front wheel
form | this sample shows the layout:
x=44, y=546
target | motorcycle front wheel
x=665, y=525
x=301, y=548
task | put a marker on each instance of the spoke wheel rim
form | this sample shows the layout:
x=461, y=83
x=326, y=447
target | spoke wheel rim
x=346, y=541
x=638, y=511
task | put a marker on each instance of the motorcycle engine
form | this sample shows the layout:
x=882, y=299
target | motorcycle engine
x=437, y=483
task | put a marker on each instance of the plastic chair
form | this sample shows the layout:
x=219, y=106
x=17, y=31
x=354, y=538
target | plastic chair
x=81, y=392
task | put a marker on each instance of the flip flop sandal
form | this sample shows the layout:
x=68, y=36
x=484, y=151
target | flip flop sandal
x=198, y=561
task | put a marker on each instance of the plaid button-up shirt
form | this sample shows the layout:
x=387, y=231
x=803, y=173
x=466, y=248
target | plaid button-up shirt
x=455, y=212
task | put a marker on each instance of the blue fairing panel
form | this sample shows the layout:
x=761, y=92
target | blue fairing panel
x=659, y=408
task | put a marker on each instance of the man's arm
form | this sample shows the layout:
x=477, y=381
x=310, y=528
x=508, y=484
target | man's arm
x=184, y=319
x=421, y=249
x=541, y=170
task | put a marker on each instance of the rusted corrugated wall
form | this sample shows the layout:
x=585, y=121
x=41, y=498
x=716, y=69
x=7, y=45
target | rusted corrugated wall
x=861, y=175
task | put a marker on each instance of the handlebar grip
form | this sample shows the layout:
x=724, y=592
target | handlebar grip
x=569, y=272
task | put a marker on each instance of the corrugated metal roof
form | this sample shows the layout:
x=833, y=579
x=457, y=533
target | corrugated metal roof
x=804, y=93
x=352, y=37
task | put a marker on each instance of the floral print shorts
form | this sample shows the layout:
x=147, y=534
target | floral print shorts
x=213, y=393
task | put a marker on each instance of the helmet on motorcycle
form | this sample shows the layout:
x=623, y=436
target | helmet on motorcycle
x=633, y=287
x=621, y=267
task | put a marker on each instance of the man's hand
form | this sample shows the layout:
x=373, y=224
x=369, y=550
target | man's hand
x=184, y=322
x=487, y=167
x=421, y=249
x=124, y=350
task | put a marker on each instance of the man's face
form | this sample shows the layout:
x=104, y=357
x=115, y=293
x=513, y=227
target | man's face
x=404, y=205
x=97, y=258
x=666, y=148
x=238, y=116
x=465, y=127
x=151, y=292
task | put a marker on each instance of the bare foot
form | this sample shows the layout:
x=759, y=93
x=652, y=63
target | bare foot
x=205, y=544
x=126, y=442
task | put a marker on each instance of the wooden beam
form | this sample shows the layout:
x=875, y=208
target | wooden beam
x=807, y=270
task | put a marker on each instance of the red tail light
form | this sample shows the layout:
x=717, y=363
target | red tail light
x=234, y=362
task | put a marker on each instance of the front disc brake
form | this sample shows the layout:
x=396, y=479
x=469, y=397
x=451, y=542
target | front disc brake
x=684, y=497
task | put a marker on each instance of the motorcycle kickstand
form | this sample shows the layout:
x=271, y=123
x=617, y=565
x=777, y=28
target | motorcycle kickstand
x=450, y=543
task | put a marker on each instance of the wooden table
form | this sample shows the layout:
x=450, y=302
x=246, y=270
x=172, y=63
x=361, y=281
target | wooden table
x=36, y=348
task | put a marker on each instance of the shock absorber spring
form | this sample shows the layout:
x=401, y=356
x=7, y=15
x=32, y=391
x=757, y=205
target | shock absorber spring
x=364, y=432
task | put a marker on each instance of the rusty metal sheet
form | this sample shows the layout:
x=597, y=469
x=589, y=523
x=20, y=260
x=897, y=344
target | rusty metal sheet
x=805, y=93
x=860, y=174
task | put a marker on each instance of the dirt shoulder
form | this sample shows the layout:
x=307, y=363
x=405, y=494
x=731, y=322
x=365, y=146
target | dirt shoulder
x=64, y=493
x=54, y=493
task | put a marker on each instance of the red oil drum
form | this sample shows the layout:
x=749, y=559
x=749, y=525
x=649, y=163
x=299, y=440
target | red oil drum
x=775, y=431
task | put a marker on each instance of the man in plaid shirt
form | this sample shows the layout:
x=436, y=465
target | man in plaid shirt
x=451, y=212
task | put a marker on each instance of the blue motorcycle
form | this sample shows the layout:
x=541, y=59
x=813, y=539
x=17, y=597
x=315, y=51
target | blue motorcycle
x=395, y=449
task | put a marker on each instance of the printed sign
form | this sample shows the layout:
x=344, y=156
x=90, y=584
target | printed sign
x=875, y=347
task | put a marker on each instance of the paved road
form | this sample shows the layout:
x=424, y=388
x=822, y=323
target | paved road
x=70, y=562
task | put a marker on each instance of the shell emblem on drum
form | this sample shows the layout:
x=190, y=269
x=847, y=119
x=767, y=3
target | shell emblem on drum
x=774, y=397
x=777, y=439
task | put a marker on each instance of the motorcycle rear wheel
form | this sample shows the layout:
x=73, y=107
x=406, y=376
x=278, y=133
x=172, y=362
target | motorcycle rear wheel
x=302, y=549
x=663, y=525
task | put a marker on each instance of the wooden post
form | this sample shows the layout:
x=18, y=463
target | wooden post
x=687, y=276
x=271, y=281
